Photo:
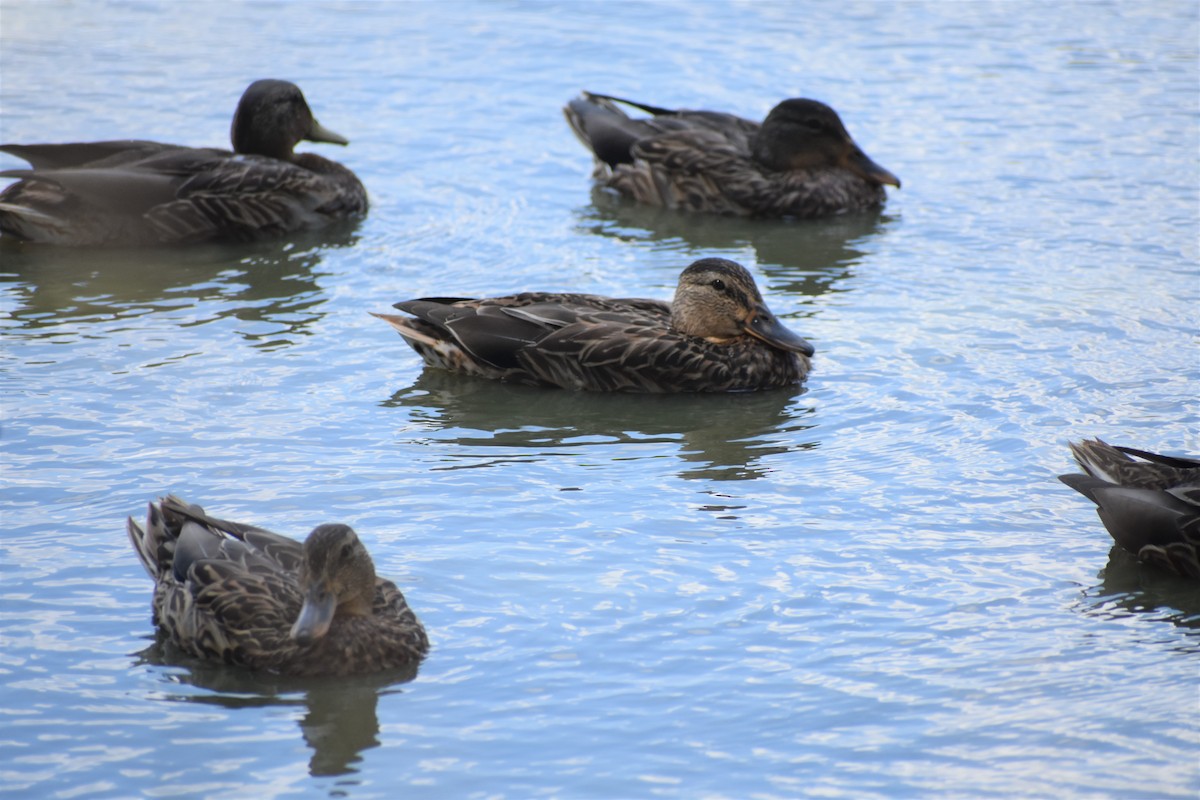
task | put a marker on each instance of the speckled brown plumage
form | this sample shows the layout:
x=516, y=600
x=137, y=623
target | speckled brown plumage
x=717, y=335
x=244, y=596
x=800, y=162
x=1149, y=503
x=134, y=193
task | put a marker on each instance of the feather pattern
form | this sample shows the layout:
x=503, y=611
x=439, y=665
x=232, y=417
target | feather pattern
x=800, y=162
x=138, y=192
x=242, y=595
x=717, y=335
x=1150, y=503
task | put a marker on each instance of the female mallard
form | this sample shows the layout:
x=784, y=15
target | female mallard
x=800, y=162
x=716, y=336
x=1151, y=506
x=243, y=595
x=144, y=193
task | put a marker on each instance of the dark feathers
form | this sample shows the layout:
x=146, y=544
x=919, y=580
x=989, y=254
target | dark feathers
x=717, y=335
x=1149, y=503
x=136, y=192
x=800, y=162
x=236, y=594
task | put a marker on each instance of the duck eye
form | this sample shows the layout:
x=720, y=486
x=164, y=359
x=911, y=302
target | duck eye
x=718, y=284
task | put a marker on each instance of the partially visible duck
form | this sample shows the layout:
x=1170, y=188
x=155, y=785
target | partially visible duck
x=800, y=162
x=241, y=595
x=131, y=192
x=716, y=336
x=1149, y=503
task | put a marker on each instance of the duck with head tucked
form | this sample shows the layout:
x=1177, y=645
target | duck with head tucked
x=1150, y=503
x=139, y=193
x=717, y=335
x=800, y=162
x=241, y=595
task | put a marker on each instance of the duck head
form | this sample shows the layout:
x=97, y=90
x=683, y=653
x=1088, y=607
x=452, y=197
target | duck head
x=272, y=118
x=806, y=134
x=337, y=579
x=717, y=300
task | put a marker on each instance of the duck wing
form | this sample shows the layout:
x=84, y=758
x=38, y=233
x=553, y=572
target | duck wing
x=1151, y=507
x=96, y=192
x=620, y=354
x=223, y=590
x=695, y=160
x=83, y=154
x=1114, y=464
x=497, y=330
x=490, y=332
x=586, y=342
x=253, y=197
x=147, y=193
x=1180, y=462
x=252, y=546
x=614, y=137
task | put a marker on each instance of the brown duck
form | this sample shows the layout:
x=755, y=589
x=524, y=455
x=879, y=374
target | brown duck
x=132, y=193
x=241, y=595
x=1149, y=503
x=800, y=162
x=716, y=336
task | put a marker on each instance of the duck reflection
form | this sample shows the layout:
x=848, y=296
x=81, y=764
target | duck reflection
x=1128, y=586
x=270, y=282
x=722, y=437
x=804, y=257
x=340, y=720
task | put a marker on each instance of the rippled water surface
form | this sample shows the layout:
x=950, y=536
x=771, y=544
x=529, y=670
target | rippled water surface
x=871, y=586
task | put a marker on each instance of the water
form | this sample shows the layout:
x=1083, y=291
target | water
x=868, y=587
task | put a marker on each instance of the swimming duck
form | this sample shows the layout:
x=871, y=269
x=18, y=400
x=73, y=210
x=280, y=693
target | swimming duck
x=1149, y=503
x=716, y=336
x=242, y=595
x=800, y=162
x=132, y=192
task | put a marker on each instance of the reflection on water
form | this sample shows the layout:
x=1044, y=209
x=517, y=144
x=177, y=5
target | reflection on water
x=721, y=436
x=340, y=721
x=803, y=257
x=1128, y=587
x=270, y=282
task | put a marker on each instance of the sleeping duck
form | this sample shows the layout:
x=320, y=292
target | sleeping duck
x=799, y=162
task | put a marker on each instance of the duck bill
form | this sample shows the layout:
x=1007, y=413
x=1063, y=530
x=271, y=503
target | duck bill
x=319, y=133
x=861, y=163
x=763, y=325
x=315, y=615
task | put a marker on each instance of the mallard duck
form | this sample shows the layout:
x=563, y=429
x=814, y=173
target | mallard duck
x=800, y=162
x=716, y=336
x=1149, y=503
x=144, y=193
x=242, y=595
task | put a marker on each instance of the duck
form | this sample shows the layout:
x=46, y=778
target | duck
x=1149, y=503
x=800, y=162
x=133, y=193
x=241, y=595
x=717, y=335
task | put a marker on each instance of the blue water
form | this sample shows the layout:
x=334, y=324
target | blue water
x=871, y=586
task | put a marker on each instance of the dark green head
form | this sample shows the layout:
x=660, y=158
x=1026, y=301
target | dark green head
x=272, y=117
x=807, y=134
